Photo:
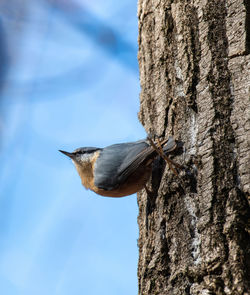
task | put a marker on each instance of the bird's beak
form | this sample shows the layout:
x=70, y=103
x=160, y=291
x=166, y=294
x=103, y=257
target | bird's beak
x=71, y=155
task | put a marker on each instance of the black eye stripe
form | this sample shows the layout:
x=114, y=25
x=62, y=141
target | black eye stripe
x=88, y=150
x=83, y=152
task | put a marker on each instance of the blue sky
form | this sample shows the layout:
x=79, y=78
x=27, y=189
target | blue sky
x=66, y=83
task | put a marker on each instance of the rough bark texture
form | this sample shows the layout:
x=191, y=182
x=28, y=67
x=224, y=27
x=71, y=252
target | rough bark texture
x=195, y=78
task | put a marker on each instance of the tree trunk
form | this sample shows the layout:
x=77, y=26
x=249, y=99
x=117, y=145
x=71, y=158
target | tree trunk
x=195, y=84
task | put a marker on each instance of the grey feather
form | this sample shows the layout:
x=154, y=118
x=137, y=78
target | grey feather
x=117, y=162
x=114, y=159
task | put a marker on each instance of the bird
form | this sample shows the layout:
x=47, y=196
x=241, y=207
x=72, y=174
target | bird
x=120, y=169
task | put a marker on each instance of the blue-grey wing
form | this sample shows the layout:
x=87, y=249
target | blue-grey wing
x=117, y=162
x=115, y=159
x=134, y=163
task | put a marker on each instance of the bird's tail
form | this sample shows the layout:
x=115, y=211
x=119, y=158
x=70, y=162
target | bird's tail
x=170, y=145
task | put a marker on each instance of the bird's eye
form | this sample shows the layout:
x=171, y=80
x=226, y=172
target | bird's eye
x=78, y=152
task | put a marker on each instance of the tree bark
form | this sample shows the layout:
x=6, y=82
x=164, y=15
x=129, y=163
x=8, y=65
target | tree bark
x=195, y=84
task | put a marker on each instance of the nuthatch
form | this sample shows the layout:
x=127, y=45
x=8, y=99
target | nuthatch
x=117, y=170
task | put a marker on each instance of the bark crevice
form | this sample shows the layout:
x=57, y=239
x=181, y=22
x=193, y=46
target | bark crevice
x=196, y=240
